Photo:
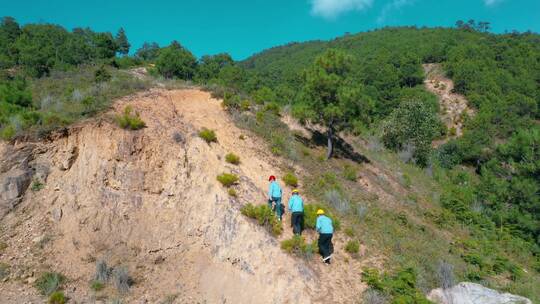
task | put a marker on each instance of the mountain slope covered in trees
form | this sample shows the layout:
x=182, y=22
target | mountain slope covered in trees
x=500, y=76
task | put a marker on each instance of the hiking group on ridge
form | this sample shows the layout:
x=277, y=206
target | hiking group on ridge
x=324, y=225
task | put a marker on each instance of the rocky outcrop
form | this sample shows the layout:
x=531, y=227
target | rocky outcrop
x=471, y=293
x=15, y=177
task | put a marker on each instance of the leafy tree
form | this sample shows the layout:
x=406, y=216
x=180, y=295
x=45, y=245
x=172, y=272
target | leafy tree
x=330, y=97
x=39, y=47
x=264, y=94
x=9, y=32
x=16, y=92
x=122, y=42
x=210, y=66
x=148, y=51
x=413, y=123
x=232, y=76
x=176, y=61
x=10, y=28
x=105, y=45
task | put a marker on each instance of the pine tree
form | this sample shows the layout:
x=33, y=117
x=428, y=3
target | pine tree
x=122, y=42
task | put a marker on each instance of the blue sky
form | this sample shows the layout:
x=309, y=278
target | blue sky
x=244, y=27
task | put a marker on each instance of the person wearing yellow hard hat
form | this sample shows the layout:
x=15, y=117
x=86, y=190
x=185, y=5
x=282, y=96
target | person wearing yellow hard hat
x=296, y=207
x=325, y=228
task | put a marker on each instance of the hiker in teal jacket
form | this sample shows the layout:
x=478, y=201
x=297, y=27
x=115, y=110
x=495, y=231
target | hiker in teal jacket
x=274, y=197
x=325, y=228
x=296, y=207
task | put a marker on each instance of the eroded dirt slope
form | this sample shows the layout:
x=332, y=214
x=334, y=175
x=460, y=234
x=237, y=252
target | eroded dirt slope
x=148, y=200
x=453, y=106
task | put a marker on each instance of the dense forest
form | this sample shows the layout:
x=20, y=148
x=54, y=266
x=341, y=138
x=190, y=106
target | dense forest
x=367, y=84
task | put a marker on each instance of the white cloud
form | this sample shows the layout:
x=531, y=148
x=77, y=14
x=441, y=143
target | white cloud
x=492, y=2
x=330, y=9
x=396, y=5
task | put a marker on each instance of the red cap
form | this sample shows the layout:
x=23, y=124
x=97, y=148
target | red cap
x=271, y=178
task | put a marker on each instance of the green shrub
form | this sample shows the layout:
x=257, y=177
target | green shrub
x=349, y=232
x=175, y=61
x=352, y=247
x=37, y=185
x=401, y=287
x=231, y=101
x=272, y=108
x=96, y=285
x=232, y=158
x=245, y=105
x=232, y=192
x=297, y=245
x=57, y=297
x=130, y=121
x=49, y=282
x=290, y=180
x=208, y=135
x=265, y=217
x=227, y=179
x=407, y=183
x=102, y=75
x=350, y=173
x=8, y=132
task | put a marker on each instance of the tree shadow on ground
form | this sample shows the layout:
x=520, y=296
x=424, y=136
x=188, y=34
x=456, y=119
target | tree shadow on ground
x=342, y=149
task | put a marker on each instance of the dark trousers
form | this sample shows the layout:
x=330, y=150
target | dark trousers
x=276, y=205
x=326, y=248
x=297, y=219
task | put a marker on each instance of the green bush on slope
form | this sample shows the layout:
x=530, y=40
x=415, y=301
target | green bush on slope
x=264, y=216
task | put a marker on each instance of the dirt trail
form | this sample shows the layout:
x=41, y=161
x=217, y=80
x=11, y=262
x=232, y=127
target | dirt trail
x=453, y=105
x=149, y=200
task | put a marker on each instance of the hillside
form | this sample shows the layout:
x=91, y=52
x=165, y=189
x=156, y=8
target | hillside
x=149, y=201
x=420, y=144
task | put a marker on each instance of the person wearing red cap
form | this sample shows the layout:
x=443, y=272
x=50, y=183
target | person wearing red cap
x=274, y=197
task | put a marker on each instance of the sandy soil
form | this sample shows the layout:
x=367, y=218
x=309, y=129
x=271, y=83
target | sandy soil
x=148, y=200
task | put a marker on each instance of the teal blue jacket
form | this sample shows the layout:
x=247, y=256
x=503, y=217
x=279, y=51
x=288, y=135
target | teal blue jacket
x=296, y=204
x=275, y=190
x=324, y=224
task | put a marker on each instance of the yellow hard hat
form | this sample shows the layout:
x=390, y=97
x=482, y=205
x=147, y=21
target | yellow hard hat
x=320, y=211
x=295, y=191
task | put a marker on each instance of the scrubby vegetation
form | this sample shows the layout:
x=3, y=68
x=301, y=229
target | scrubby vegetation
x=97, y=285
x=232, y=158
x=208, y=135
x=57, y=297
x=227, y=179
x=129, y=121
x=352, y=247
x=297, y=245
x=37, y=185
x=290, y=179
x=232, y=192
x=400, y=288
x=118, y=276
x=264, y=216
x=350, y=173
x=49, y=282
